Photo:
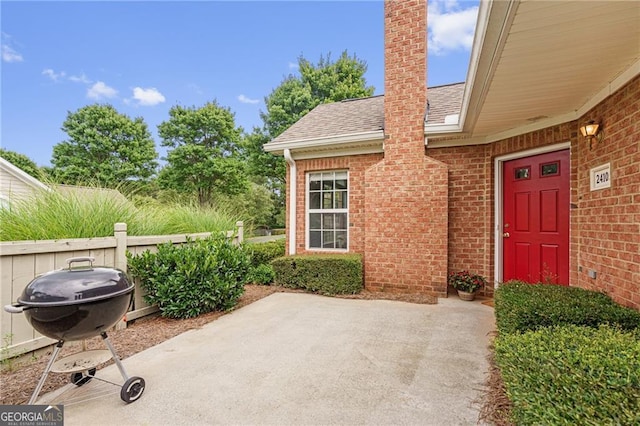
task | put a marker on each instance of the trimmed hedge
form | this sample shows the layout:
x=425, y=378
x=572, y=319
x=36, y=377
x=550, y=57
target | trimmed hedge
x=520, y=307
x=572, y=375
x=324, y=274
x=261, y=274
x=263, y=253
x=194, y=278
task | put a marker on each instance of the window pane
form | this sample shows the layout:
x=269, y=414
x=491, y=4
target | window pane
x=549, y=169
x=314, y=181
x=327, y=221
x=340, y=200
x=522, y=173
x=327, y=200
x=327, y=185
x=314, y=220
x=314, y=200
x=328, y=239
x=315, y=239
x=327, y=192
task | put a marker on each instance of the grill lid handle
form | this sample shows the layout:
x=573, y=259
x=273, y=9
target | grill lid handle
x=89, y=259
x=13, y=309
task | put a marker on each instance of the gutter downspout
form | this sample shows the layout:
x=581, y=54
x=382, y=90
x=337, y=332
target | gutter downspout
x=292, y=201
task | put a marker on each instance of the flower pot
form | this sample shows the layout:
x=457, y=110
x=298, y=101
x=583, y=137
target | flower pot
x=465, y=295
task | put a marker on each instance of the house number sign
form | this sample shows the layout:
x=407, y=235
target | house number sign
x=600, y=177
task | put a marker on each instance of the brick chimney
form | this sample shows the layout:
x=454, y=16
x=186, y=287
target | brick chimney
x=405, y=87
x=406, y=194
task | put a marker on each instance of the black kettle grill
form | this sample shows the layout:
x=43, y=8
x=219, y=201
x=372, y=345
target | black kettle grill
x=77, y=303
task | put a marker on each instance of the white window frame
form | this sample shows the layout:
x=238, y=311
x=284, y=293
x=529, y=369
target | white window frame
x=308, y=211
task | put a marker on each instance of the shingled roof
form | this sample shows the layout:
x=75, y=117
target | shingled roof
x=354, y=116
x=338, y=118
x=444, y=101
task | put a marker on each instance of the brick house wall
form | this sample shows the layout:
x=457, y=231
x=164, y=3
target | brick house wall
x=608, y=220
x=416, y=214
x=356, y=166
x=470, y=206
x=397, y=202
x=604, y=224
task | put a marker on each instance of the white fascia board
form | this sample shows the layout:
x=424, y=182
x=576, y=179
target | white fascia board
x=492, y=29
x=484, y=11
x=308, y=144
x=341, y=152
x=438, y=129
x=22, y=175
x=495, y=137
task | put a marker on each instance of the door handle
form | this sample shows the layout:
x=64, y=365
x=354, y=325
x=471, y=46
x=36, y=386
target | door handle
x=506, y=235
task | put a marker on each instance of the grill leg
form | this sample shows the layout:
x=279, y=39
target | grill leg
x=36, y=392
x=115, y=355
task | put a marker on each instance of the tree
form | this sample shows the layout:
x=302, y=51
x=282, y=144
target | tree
x=23, y=162
x=104, y=146
x=204, y=152
x=324, y=82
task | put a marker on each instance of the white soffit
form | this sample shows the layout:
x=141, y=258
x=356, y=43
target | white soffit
x=551, y=62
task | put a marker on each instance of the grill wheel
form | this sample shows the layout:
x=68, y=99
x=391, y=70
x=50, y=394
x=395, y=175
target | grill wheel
x=132, y=389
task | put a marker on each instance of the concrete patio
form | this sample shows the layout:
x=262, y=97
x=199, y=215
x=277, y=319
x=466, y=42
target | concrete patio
x=293, y=359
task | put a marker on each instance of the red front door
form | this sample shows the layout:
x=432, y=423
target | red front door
x=535, y=229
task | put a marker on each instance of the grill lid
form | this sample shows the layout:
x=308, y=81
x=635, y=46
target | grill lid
x=75, y=285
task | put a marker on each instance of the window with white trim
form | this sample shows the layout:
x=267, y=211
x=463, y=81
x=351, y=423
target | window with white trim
x=328, y=210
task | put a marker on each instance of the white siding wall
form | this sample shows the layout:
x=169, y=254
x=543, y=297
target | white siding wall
x=15, y=184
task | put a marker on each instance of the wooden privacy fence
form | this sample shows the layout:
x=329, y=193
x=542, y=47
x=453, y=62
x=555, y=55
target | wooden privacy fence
x=22, y=261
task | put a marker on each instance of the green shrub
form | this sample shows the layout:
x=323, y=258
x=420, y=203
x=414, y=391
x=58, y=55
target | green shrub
x=520, y=307
x=572, y=375
x=261, y=274
x=194, y=278
x=263, y=253
x=324, y=274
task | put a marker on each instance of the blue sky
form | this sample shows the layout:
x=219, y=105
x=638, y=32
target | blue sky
x=145, y=57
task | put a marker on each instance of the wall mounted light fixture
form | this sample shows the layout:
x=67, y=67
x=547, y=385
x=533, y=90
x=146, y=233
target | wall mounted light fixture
x=592, y=132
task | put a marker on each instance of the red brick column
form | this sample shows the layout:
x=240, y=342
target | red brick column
x=406, y=194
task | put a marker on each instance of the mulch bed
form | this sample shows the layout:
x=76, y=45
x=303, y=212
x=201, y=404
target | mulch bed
x=20, y=377
x=495, y=406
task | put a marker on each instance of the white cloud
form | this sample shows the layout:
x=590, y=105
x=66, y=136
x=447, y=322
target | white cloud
x=10, y=55
x=82, y=78
x=246, y=100
x=148, y=97
x=451, y=27
x=100, y=91
x=52, y=74
x=293, y=65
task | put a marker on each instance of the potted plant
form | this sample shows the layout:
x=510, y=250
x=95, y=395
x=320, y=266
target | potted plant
x=466, y=283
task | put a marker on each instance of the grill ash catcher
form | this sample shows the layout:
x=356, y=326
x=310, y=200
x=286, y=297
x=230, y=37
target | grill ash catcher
x=77, y=303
